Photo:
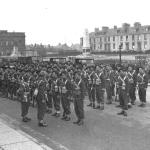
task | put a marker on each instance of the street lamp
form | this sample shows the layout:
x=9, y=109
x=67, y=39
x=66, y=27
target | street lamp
x=120, y=47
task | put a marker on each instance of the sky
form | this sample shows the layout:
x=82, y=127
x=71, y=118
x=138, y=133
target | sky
x=64, y=21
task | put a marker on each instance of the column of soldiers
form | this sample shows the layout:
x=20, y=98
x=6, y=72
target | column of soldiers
x=53, y=86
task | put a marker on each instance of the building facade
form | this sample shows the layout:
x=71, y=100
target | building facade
x=9, y=40
x=135, y=38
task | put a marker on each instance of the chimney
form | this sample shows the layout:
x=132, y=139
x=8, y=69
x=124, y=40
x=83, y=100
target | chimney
x=115, y=27
x=96, y=29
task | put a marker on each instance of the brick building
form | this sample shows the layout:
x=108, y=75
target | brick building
x=9, y=40
x=135, y=38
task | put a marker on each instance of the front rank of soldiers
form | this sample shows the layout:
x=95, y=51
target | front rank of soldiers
x=52, y=87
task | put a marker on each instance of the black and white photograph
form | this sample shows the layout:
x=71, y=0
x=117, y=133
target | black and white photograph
x=74, y=75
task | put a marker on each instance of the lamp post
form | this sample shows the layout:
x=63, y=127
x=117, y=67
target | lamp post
x=120, y=47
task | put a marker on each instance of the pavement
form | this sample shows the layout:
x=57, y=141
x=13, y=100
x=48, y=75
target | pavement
x=103, y=130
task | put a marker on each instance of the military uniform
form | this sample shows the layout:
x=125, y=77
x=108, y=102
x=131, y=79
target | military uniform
x=132, y=76
x=142, y=81
x=56, y=96
x=65, y=90
x=91, y=89
x=123, y=85
x=50, y=96
x=100, y=89
x=109, y=84
x=41, y=99
x=23, y=93
x=79, y=94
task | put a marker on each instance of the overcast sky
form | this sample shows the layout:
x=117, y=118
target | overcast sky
x=64, y=21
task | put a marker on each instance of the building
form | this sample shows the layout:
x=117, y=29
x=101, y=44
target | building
x=9, y=40
x=133, y=38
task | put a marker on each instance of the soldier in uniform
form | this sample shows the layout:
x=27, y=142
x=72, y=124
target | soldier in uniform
x=65, y=93
x=50, y=94
x=123, y=91
x=79, y=94
x=56, y=94
x=41, y=99
x=109, y=83
x=132, y=76
x=91, y=87
x=23, y=93
x=100, y=87
x=142, y=81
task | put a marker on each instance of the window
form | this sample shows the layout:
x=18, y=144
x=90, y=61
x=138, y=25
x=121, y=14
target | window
x=100, y=39
x=113, y=46
x=133, y=45
x=97, y=39
x=145, y=45
x=100, y=46
x=113, y=38
x=6, y=43
x=132, y=37
x=145, y=37
x=104, y=39
x=108, y=39
x=118, y=31
x=137, y=30
x=127, y=38
x=138, y=37
x=121, y=38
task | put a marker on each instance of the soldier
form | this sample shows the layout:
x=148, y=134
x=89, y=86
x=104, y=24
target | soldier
x=109, y=83
x=100, y=87
x=41, y=99
x=56, y=94
x=79, y=94
x=49, y=94
x=132, y=76
x=142, y=81
x=91, y=87
x=5, y=82
x=123, y=91
x=23, y=93
x=65, y=93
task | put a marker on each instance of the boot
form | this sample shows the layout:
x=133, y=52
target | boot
x=76, y=122
x=81, y=122
x=102, y=107
x=67, y=118
x=121, y=113
x=42, y=124
x=89, y=105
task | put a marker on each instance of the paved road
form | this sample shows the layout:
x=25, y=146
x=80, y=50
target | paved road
x=101, y=131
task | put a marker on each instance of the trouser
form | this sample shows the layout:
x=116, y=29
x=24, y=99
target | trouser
x=65, y=104
x=24, y=108
x=100, y=95
x=123, y=98
x=132, y=94
x=93, y=95
x=41, y=110
x=5, y=89
x=49, y=102
x=79, y=107
x=110, y=92
x=56, y=101
x=142, y=94
x=89, y=93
